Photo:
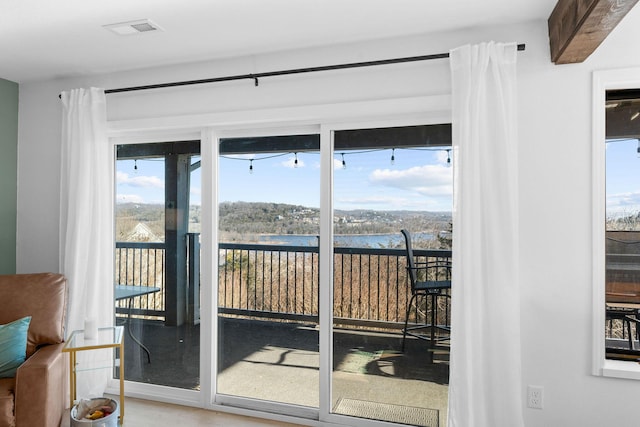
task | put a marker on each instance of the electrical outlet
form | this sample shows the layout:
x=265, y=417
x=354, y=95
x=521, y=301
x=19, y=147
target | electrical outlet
x=535, y=396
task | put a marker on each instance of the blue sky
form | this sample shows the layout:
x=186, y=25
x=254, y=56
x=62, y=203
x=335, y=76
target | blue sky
x=623, y=177
x=142, y=185
x=418, y=180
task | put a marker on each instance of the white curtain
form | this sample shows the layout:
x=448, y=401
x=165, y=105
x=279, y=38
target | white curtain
x=86, y=254
x=485, y=382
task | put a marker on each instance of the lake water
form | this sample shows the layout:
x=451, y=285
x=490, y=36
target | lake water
x=344, y=240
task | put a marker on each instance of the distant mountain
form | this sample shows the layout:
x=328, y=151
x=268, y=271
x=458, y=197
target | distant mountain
x=282, y=218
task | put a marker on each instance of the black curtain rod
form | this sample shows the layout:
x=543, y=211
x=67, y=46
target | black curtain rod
x=257, y=76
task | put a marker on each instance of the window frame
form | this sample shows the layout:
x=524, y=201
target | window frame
x=628, y=78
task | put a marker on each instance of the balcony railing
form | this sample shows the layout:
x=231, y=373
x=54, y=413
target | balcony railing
x=371, y=285
x=141, y=264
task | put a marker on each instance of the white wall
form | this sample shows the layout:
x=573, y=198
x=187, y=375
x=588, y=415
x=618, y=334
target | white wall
x=555, y=177
x=555, y=181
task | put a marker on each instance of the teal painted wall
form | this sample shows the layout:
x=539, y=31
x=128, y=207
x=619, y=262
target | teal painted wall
x=8, y=174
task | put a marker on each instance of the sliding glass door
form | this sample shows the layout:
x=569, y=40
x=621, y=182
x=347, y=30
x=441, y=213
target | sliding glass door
x=279, y=196
x=310, y=286
x=268, y=275
x=157, y=279
x=386, y=180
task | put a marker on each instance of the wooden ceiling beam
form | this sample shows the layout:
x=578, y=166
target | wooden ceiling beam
x=578, y=27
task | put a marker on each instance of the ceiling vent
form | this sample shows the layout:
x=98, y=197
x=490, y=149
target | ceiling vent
x=133, y=27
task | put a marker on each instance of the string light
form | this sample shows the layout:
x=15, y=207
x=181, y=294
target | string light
x=256, y=159
x=393, y=153
x=296, y=163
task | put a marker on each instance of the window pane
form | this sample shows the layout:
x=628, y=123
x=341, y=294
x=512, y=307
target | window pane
x=269, y=192
x=157, y=280
x=622, y=226
x=386, y=180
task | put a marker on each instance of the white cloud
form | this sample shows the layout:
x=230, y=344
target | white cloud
x=623, y=201
x=394, y=203
x=141, y=181
x=373, y=200
x=130, y=198
x=428, y=180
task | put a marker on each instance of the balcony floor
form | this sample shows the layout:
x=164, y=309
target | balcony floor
x=260, y=354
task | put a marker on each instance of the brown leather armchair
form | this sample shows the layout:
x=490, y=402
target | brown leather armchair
x=36, y=396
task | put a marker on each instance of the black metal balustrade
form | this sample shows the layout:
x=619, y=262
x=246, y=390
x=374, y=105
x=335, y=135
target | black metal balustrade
x=268, y=281
x=371, y=286
x=141, y=264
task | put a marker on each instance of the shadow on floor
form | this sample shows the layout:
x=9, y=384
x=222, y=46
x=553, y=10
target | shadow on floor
x=175, y=351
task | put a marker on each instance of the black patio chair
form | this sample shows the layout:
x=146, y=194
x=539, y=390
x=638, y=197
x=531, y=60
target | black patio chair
x=428, y=279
